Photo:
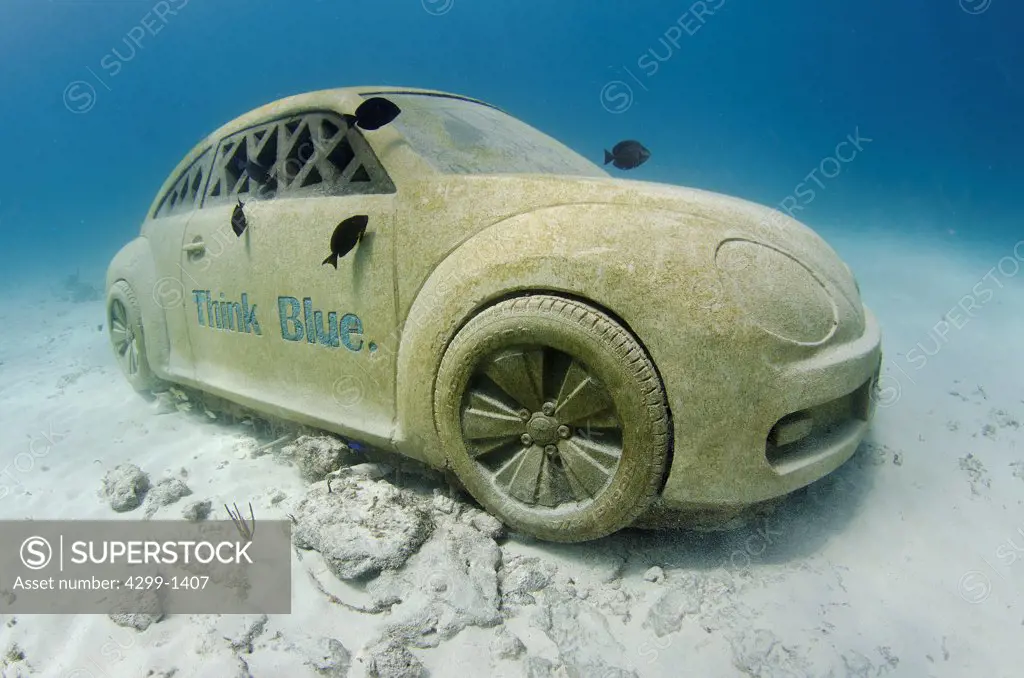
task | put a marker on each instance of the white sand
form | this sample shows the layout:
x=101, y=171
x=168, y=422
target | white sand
x=899, y=564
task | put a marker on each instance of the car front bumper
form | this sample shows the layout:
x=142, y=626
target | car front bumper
x=804, y=419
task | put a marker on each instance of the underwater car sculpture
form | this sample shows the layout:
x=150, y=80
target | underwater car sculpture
x=583, y=351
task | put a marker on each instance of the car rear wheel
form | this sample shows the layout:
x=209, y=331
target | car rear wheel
x=553, y=417
x=124, y=320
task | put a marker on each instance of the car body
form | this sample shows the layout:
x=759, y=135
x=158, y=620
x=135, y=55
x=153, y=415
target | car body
x=728, y=343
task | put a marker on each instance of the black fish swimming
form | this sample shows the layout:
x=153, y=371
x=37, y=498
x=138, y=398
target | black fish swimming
x=627, y=155
x=238, y=223
x=375, y=112
x=256, y=171
x=346, y=235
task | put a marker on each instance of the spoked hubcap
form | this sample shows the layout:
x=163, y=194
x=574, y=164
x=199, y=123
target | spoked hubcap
x=541, y=426
x=126, y=345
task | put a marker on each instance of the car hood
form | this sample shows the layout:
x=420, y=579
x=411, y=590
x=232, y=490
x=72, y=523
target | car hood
x=783, y=251
x=735, y=217
x=738, y=218
x=755, y=233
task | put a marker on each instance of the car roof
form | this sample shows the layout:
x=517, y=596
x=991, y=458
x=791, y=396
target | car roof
x=337, y=98
x=384, y=90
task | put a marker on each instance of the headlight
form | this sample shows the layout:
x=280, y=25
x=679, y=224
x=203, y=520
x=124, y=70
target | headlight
x=779, y=293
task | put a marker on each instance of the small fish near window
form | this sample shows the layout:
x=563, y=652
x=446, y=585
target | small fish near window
x=346, y=236
x=315, y=153
x=244, y=165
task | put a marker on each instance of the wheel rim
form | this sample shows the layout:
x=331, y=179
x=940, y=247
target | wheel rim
x=541, y=427
x=122, y=335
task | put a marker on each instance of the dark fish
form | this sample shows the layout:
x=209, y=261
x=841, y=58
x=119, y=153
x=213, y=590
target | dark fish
x=346, y=235
x=376, y=112
x=627, y=155
x=256, y=171
x=238, y=219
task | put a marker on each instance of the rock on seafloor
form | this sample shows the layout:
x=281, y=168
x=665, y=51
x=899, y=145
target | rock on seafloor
x=361, y=527
x=390, y=659
x=125, y=486
x=164, y=493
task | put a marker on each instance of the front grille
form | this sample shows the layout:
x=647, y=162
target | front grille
x=802, y=437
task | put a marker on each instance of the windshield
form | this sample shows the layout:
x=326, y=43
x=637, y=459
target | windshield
x=463, y=137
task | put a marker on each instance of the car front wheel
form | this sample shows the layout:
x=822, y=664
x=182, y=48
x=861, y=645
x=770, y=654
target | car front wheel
x=553, y=417
x=124, y=322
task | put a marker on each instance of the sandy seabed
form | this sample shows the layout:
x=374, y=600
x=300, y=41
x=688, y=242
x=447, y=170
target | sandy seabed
x=907, y=561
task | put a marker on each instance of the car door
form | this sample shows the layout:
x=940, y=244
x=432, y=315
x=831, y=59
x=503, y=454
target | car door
x=297, y=333
x=213, y=269
x=165, y=232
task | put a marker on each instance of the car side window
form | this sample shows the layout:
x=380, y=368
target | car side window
x=185, y=194
x=315, y=153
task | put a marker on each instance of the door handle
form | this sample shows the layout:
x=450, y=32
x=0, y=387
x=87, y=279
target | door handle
x=196, y=245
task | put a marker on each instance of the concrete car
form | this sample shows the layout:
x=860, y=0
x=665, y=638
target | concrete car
x=581, y=350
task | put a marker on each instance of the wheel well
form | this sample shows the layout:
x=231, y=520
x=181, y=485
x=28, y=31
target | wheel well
x=614, y=316
x=109, y=302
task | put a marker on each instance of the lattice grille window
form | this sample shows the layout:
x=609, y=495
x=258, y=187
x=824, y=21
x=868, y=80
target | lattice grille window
x=311, y=154
x=183, y=196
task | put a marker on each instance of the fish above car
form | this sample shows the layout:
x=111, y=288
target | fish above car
x=627, y=155
x=584, y=352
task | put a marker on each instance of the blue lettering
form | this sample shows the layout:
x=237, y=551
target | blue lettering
x=225, y=315
x=307, y=312
x=210, y=319
x=301, y=320
x=331, y=339
x=351, y=324
x=292, y=316
x=248, y=316
x=222, y=316
x=198, y=296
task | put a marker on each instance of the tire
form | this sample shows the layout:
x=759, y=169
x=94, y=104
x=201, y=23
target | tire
x=124, y=326
x=573, y=444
